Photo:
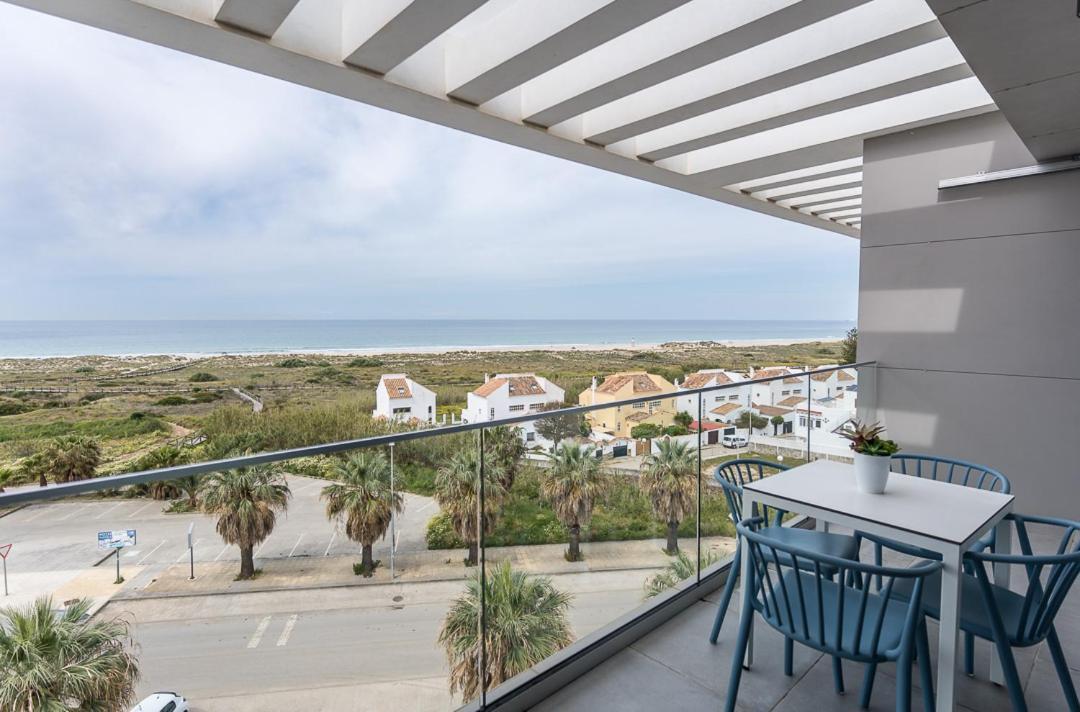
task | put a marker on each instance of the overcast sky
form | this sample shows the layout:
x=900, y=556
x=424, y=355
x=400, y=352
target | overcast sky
x=141, y=183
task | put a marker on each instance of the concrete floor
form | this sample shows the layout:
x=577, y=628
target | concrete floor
x=675, y=668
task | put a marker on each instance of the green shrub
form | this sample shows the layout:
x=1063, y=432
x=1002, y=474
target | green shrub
x=85, y=369
x=173, y=400
x=55, y=404
x=205, y=397
x=10, y=407
x=440, y=534
x=92, y=397
x=100, y=428
x=329, y=375
x=645, y=430
x=292, y=363
x=674, y=430
x=362, y=361
x=203, y=377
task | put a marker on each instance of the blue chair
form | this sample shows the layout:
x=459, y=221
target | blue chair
x=958, y=472
x=731, y=476
x=1011, y=620
x=842, y=617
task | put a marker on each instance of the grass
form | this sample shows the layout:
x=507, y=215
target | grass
x=102, y=428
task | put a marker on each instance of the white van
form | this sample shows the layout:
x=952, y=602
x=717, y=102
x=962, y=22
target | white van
x=734, y=441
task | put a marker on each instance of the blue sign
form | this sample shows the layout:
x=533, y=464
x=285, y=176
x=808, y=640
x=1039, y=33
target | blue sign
x=116, y=539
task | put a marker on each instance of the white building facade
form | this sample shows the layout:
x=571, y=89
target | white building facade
x=398, y=397
x=716, y=400
x=507, y=395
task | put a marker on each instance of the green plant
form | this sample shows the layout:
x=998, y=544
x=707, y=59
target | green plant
x=645, y=430
x=866, y=439
x=777, y=421
x=363, y=501
x=525, y=620
x=205, y=397
x=292, y=363
x=65, y=660
x=172, y=400
x=684, y=419
x=85, y=369
x=246, y=501
x=457, y=486
x=849, y=347
x=440, y=533
x=746, y=418
x=203, y=377
x=363, y=361
x=572, y=484
x=9, y=407
x=91, y=397
x=6, y=475
x=675, y=430
x=560, y=427
x=669, y=480
x=72, y=458
x=678, y=569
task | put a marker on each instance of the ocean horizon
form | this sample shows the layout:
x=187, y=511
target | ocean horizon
x=45, y=339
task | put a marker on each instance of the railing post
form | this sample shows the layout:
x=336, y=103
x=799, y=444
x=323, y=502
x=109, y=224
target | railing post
x=809, y=418
x=700, y=430
x=481, y=560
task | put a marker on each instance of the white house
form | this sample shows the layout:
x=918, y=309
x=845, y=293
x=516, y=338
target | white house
x=707, y=379
x=834, y=384
x=398, y=397
x=773, y=392
x=511, y=394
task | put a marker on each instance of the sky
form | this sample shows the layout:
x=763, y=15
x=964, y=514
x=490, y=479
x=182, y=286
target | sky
x=138, y=182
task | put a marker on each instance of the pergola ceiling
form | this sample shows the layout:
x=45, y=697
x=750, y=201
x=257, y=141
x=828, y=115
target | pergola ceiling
x=758, y=103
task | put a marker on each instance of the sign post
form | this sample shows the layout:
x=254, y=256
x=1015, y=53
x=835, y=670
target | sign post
x=5, y=549
x=191, y=549
x=117, y=540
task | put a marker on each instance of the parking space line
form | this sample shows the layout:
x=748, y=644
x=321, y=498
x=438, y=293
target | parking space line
x=151, y=553
x=298, y=540
x=226, y=548
x=100, y=516
x=257, y=636
x=289, y=624
x=32, y=517
x=72, y=513
x=133, y=514
x=327, y=552
x=184, y=553
x=262, y=545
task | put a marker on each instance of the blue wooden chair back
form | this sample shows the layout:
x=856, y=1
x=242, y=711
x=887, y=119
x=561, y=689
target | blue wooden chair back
x=1049, y=577
x=732, y=475
x=957, y=472
x=840, y=617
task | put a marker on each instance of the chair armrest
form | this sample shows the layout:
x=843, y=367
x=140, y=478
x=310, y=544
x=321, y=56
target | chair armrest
x=897, y=546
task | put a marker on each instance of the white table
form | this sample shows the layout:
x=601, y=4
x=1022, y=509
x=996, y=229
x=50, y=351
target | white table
x=938, y=516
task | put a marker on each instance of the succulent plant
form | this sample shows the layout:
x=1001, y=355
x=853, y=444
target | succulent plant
x=866, y=439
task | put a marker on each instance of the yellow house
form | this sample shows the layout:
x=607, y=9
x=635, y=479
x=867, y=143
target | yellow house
x=620, y=420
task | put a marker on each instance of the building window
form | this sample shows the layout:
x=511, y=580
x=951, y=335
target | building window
x=492, y=414
x=802, y=422
x=530, y=437
x=817, y=423
x=717, y=399
x=402, y=411
x=797, y=391
x=733, y=398
x=535, y=406
x=785, y=393
x=517, y=408
x=639, y=405
x=654, y=404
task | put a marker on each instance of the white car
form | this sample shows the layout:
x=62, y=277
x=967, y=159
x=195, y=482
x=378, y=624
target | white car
x=735, y=441
x=163, y=702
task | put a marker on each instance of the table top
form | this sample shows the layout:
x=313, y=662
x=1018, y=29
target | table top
x=939, y=510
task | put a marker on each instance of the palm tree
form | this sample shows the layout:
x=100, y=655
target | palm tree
x=669, y=480
x=71, y=458
x=188, y=486
x=160, y=458
x=505, y=449
x=51, y=661
x=457, y=490
x=678, y=569
x=573, y=483
x=362, y=499
x=777, y=421
x=246, y=501
x=526, y=622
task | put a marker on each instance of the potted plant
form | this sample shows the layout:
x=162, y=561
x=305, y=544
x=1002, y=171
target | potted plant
x=872, y=454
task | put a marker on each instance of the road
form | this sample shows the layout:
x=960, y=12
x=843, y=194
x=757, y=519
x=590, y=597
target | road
x=56, y=541
x=265, y=647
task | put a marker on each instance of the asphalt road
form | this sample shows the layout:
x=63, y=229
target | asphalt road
x=219, y=649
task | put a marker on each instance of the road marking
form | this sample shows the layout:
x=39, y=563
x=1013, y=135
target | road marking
x=327, y=552
x=288, y=629
x=293, y=551
x=257, y=636
x=426, y=506
x=73, y=511
x=133, y=514
x=261, y=546
x=184, y=553
x=108, y=510
x=32, y=517
x=221, y=553
x=139, y=562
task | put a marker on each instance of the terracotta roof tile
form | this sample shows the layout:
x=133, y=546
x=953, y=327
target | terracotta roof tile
x=702, y=379
x=772, y=410
x=725, y=408
x=518, y=386
x=642, y=383
x=844, y=376
x=637, y=417
x=397, y=387
x=791, y=401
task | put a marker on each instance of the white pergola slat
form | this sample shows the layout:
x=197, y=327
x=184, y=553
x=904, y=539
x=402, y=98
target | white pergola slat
x=763, y=104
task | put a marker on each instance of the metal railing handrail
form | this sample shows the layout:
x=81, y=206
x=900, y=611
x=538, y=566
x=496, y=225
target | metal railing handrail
x=96, y=484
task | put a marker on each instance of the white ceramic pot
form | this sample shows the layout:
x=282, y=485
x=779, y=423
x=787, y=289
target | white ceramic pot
x=871, y=473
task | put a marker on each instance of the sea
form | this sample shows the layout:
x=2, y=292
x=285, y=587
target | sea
x=41, y=339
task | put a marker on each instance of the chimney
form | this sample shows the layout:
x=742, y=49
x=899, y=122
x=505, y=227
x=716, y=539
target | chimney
x=486, y=378
x=594, y=388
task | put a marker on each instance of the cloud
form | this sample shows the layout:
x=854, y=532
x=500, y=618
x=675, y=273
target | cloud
x=207, y=191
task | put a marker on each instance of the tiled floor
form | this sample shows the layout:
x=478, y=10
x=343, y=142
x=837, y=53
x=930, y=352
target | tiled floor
x=675, y=669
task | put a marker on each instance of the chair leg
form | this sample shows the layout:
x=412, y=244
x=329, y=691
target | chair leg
x=969, y=654
x=1062, y=668
x=867, y=685
x=789, y=655
x=926, y=674
x=838, y=675
x=903, y=683
x=725, y=600
x=745, y=619
x=1012, y=677
x=877, y=562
